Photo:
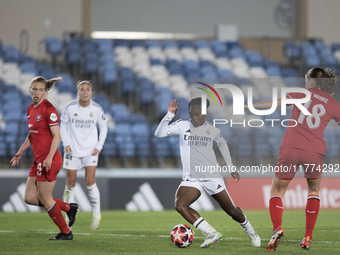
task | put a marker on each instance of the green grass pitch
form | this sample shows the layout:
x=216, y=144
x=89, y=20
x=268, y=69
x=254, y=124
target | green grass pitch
x=124, y=232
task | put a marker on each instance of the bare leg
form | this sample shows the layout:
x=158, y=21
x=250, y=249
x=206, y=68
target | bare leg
x=313, y=186
x=185, y=196
x=279, y=187
x=90, y=175
x=228, y=206
x=31, y=194
x=71, y=178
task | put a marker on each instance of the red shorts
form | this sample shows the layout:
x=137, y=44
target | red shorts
x=290, y=159
x=41, y=174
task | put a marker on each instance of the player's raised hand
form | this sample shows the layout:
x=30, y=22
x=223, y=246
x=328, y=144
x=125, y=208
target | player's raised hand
x=235, y=175
x=95, y=152
x=173, y=106
x=15, y=160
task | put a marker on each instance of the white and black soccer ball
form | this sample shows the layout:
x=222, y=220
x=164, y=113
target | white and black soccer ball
x=182, y=235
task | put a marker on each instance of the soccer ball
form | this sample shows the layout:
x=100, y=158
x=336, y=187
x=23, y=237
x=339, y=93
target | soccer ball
x=182, y=235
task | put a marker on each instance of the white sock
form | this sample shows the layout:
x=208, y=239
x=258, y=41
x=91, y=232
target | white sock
x=95, y=199
x=204, y=226
x=68, y=195
x=246, y=225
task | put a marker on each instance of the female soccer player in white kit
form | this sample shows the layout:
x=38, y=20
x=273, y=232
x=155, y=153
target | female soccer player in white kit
x=80, y=138
x=196, y=137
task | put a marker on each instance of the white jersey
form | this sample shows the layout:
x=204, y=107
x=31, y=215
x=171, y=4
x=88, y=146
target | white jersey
x=196, y=146
x=79, y=128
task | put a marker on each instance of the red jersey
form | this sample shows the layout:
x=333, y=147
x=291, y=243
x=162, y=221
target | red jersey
x=40, y=119
x=308, y=133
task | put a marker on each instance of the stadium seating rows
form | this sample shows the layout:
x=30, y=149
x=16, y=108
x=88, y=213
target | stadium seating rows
x=155, y=72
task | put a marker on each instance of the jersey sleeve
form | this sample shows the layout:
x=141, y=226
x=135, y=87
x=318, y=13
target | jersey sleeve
x=164, y=129
x=101, y=120
x=52, y=116
x=65, y=115
x=223, y=147
x=296, y=95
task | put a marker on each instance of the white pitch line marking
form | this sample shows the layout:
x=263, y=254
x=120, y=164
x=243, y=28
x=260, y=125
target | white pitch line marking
x=160, y=236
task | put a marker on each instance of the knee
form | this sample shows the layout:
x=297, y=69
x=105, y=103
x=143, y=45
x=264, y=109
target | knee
x=90, y=181
x=70, y=183
x=180, y=207
x=31, y=200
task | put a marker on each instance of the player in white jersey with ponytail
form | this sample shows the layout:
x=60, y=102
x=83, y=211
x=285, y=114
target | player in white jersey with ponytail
x=81, y=144
x=196, y=137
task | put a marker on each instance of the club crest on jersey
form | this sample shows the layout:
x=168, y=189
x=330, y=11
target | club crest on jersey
x=91, y=114
x=208, y=131
x=38, y=118
x=53, y=117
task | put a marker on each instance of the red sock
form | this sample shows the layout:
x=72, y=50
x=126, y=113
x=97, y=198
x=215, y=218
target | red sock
x=55, y=213
x=312, y=211
x=276, y=211
x=65, y=207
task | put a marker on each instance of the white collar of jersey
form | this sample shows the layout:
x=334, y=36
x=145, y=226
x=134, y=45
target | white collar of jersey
x=205, y=122
x=82, y=106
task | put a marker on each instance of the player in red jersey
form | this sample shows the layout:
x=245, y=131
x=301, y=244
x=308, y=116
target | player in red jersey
x=44, y=136
x=303, y=145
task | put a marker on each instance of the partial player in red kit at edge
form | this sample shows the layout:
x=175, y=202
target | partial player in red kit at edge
x=303, y=145
x=44, y=136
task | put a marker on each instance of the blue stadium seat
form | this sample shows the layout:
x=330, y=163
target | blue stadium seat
x=184, y=44
x=28, y=67
x=122, y=129
x=202, y=44
x=153, y=44
x=254, y=58
x=161, y=148
x=73, y=54
x=292, y=51
x=10, y=54
x=109, y=150
x=53, y=46
x=170, y=44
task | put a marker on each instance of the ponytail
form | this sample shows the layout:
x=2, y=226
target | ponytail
x=325, y=80
x=48, y=83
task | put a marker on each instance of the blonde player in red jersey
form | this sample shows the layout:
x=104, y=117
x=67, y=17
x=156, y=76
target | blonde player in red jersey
x=44, y=136
x=303, y=145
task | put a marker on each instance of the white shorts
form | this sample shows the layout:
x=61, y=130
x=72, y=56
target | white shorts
x=212, y=186
x=76, y=163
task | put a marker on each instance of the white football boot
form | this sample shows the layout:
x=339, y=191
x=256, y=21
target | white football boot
x=211, y=239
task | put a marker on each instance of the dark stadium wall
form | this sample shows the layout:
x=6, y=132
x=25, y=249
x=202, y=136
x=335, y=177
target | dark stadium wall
x=40, y=17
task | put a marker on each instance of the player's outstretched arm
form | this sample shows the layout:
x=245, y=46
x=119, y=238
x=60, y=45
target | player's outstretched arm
x=15, y=160
x=263, y=104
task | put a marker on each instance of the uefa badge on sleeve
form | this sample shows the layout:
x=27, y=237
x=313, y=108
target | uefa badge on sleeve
x=53, y=117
